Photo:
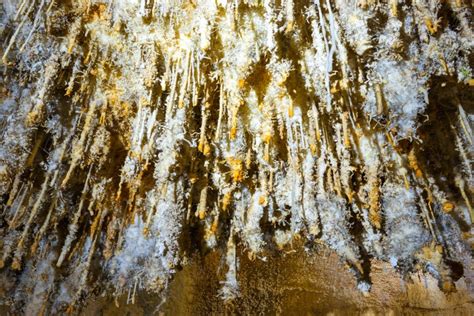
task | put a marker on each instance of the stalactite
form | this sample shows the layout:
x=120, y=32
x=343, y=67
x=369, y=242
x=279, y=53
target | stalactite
x=269, y=121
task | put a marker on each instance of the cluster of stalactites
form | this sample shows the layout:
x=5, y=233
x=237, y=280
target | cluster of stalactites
x=125, y=124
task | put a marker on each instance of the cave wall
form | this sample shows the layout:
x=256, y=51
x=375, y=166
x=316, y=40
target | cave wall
x=142, y=139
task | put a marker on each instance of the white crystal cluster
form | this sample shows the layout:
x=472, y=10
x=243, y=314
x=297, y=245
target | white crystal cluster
x=137, y=132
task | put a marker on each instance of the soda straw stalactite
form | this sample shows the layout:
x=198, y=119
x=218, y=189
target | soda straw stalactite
x=136, y=133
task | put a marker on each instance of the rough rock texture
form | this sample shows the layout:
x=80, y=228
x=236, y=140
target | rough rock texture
x=139, y=135
x=294, y=283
